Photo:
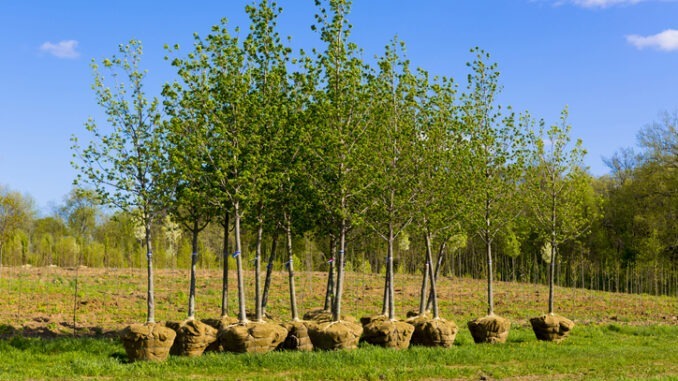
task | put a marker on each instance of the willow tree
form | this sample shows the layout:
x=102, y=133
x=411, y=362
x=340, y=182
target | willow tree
x=123, y=161
x=498, y=156
x=557, y=185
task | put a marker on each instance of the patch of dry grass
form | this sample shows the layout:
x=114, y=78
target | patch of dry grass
x=41, y=300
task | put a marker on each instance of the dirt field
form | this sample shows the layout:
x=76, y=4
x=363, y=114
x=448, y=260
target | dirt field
x=44, y=302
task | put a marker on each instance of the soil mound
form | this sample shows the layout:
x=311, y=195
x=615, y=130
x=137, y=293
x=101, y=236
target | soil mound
x=379, y=330
x=489, y=329
x=551, y=327
x=147, y=342
x=430, y=332
x=335, y=335
x=297, y=337
x=252, y=337
x=193, y=337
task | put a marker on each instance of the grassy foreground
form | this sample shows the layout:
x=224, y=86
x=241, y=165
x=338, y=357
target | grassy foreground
x=592, y=353
x=50, y=331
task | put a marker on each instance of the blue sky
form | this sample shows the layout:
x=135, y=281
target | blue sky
x=613, y=62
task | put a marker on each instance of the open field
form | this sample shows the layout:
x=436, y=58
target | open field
x=618, y=336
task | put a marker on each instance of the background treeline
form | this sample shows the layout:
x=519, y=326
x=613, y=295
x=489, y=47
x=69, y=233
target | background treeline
x=326, y=148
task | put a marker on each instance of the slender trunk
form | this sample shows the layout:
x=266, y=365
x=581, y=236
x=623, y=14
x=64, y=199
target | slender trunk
x=238, y=263
x=490, y=291
x=422, y=294
x=194, y=260
x=151, y=292
x=429, y=258
x=269, y=272
x=336, y=313
x=391, y=288
x=290, y=268
x=439, y=265
x=386, y=300
x=552, y=265
x=257, y=272
x=329, y=293
x=224, y=284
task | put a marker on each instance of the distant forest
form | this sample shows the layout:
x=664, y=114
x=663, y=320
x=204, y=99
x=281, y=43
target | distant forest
x=368, y=161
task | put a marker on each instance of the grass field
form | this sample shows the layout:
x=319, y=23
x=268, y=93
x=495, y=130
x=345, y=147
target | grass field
x=618, y=336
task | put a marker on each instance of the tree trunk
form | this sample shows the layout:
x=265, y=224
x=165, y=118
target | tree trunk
x=269, y=272
x=194, y=260
x=149, y=256
x=422, y=294
x=439, y=265
x=429, y=258
x=290, y=269
x=329, y=292
x=488, y=246
x=391, y=288
x=387, y=282
x=238, y=263
x=257, y=272
x=336, y=310
x=224, y=284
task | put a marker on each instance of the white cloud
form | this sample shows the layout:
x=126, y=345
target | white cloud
x=62, y=49
x=603, y=3
x=666, y=40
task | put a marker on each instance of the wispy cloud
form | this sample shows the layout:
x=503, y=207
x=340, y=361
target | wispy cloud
x=666, y=40
x=597, y=3
x=62, y=49
x=605, y=3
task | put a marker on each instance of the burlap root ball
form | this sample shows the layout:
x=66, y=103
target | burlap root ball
x=252, y=337
x=489, y=329
x=218, y=324
x=342, y=334
x=193, y=337
x=551, y=327
x=147, y=342
x=320, y=315
x=430, y=332
x=379, y=330
x=297, y=337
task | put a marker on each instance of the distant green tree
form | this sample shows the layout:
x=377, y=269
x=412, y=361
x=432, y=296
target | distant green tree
x=16, y=212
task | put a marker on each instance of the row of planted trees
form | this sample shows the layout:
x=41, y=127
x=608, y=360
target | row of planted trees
x=324, y=142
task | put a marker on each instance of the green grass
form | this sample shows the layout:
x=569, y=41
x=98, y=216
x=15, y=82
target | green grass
x=592, y=352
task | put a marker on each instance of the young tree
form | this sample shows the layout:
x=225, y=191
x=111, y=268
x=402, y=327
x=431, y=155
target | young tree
x=123, y=160
x=498, y=157
x=556, y=190
x=339, y=119
x=268, y=58
x=188, y=175
x=217, y=76
x=393, y=144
